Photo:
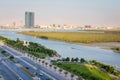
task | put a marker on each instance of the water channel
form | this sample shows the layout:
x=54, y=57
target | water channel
x=71, y=50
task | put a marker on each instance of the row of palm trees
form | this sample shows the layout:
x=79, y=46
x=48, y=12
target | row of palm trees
x=46, y=64
x=72, y=60
x=33, y=48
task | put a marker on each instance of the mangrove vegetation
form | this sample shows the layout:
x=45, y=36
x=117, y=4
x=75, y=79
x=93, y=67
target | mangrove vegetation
x=76, y=37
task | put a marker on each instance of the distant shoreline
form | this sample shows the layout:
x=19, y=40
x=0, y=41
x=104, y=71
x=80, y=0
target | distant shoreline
x=103, y=45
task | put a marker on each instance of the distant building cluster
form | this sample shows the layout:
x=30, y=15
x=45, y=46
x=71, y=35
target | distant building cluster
x=29, y=23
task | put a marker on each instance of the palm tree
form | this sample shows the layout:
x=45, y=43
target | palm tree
x=28, y=55
x=39, y=60
x=67, y=59
x=55, y=68
x=33, y=57
x=50, y=66
x=46, y=64
x=82, y=60
x=76, y=59
x=66, y=73
x=36, y=59
x=60, y=70
x=43, y=62
x=72, y=76
x=72, y=60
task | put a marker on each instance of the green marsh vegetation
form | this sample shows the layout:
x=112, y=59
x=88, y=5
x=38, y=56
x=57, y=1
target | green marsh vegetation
x=77, y=37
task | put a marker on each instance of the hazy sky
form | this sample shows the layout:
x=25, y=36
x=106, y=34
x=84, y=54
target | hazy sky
x=72, y=12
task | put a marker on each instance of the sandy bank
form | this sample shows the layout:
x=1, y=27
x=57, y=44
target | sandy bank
x=105, y=45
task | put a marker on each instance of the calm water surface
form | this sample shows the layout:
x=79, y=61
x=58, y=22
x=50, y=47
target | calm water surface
x=71, y=50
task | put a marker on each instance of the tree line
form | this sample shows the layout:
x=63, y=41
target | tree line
x=33, y=48
x=104, y=67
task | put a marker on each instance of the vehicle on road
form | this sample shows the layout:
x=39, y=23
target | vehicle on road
x=20, y=78
x=40, y=74
x=27, y=67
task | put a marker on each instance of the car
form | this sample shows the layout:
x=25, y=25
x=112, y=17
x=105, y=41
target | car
x=39, y=79
x=40, y=74
x=27, y=67
x=35, y=73
x=20, y=78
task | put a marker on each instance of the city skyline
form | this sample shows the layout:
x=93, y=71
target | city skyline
x=71, y=12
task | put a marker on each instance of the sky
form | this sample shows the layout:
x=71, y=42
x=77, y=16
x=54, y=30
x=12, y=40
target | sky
x=60, y=12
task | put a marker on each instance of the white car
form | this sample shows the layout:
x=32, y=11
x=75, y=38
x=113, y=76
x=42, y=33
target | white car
x=40, y=74
x=20, y=78
x=39, y=79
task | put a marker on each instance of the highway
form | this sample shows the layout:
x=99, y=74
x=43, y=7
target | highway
x=6, y=72
x=33, y=66
x=17, y=73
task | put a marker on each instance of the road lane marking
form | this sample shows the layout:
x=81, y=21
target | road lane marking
x=21, y=59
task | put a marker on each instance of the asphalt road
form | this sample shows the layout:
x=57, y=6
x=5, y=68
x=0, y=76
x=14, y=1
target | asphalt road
x=12, y=71
x=33, y=67
x=7, y=73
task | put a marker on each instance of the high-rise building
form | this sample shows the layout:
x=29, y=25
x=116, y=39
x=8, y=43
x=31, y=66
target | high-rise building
x=29, y=19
